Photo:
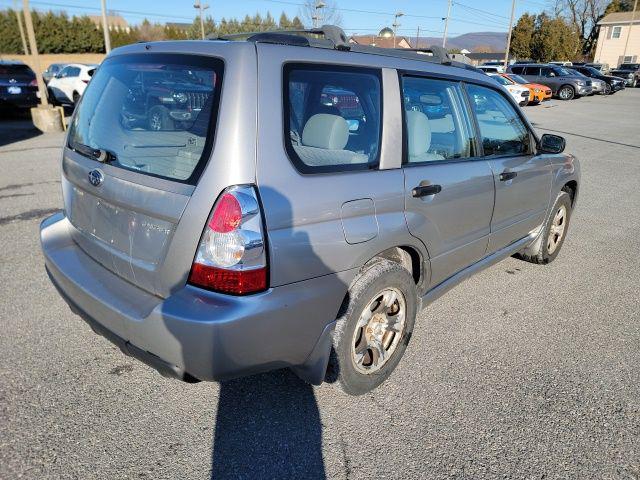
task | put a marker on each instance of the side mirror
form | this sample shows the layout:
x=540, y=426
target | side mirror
x=551, y=144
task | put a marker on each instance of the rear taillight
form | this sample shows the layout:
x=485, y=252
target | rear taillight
x=33, y=83
x=231, y=256
x=85, y=81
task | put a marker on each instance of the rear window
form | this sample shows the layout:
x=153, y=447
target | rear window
x=151, y=113
x=332, y=117
x=22, y=70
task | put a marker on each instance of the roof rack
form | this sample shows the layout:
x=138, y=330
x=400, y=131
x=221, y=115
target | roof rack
x=333, y=37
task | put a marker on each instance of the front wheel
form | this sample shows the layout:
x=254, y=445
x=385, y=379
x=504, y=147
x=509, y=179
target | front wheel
x=375, y=326
x=548, y=245
x=566, y=92
x=159, y=119
x=607, y=89
x=634, y=83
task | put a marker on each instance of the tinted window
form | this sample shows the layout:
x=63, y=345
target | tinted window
x=332, y=117
x=518, y=70
x=17, y=70
x=532, y=71
x=64, y=72
x=160, y=127
x=436, y=124
x=501, y=128
x=73, y=72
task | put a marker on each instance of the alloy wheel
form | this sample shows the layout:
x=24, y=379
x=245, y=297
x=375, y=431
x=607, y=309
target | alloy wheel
x=379, y=331
x=558, y=227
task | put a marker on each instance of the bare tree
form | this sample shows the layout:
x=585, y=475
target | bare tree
x=327, y=14
x=584, y=16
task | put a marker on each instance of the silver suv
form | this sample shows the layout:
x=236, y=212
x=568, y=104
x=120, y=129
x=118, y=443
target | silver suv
x=300, y=211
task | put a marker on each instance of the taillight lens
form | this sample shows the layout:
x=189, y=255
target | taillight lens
x=231, y=256
x=33, y=83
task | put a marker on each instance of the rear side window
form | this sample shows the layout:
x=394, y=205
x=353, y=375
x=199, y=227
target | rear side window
x=532, y=71
x=151, y=113
x=436, y=123
x=332, y=117
x=517, y=69
x=502, y=131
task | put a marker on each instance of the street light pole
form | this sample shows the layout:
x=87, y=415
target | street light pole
x=34, y=53
x=105, y=27
x=506, y=53
x=201, y=7
x=446, y=24
x=317, y=15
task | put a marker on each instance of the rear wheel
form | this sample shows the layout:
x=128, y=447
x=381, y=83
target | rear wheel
x=547, y=247
x=634, y=83
x=566, y=92
x=375, y=326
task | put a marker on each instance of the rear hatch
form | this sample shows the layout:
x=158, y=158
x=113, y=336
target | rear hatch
x=18, y=78
x=137, y=146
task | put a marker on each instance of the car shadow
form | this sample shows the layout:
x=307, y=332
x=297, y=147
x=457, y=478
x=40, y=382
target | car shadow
x=267, y=426
x=15, y=126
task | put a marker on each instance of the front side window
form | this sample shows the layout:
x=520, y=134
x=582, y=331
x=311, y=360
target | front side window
x=332, y=117
x=436, y=124
x=73, y=72
x=502, y=131
x=616, y=32
x=151, y=113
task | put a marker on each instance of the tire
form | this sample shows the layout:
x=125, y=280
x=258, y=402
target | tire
x=51, y=97
x=159, y=119
x=607, y=89
x=76, y=98
x=355, y=363
x=566, y=92
x=544, y=251
x=635, y=83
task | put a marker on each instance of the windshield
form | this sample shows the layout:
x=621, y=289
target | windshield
x=501, y=80
x=150, y=113
x=577, y=73
x=518, y=79
x=593, y=71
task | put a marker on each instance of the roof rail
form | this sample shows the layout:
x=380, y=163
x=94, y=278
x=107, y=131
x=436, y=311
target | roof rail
x=334, y=37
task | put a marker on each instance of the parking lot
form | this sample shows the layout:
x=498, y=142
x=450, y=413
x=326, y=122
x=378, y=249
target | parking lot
x=523, y=371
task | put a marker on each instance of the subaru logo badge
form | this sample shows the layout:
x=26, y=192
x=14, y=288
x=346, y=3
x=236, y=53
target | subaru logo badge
x=96, y=177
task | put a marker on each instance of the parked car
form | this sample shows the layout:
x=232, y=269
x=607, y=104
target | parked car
x=162, y=99
x=539, y=93
x=52, y=70
x=18, y=86
x=262, y=233
x=522, y=95
x=629, y=72
x=597, y=86
x=68, y=85
x=561, y=64
x=564, y=83
x=491, y=68
x=612, y=84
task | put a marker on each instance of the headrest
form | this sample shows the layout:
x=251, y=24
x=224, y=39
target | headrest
x=326, y=131
x=418, y=133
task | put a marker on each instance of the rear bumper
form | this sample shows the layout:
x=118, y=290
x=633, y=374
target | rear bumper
x=584, y=91
x=23, y=100
x=196, y=334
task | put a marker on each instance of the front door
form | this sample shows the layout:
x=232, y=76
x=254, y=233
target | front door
x=522, y=179
x=449, y=192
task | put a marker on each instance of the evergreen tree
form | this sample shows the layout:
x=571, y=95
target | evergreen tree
x=521, y=37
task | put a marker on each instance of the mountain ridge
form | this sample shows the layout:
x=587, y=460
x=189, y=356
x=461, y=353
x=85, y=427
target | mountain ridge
x=496, y=41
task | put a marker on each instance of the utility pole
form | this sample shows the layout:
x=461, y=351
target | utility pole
x=446, y=24
x=24, y=40
x=633, y=18
x=395, y=26
x=506, y=53
x=34, y=53
x=105, y=27
x=417, y=38
x=201, y=7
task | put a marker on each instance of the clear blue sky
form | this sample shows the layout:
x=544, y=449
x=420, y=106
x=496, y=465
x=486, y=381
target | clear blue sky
x=358, y=16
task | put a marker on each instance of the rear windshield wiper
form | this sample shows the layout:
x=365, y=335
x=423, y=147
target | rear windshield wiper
x=98, y=154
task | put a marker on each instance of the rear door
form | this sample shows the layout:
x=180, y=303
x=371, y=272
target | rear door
x=449, y=190
x=532, y=74
x=522, y=179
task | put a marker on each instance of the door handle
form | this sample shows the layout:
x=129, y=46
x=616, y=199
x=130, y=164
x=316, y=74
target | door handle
x=424, y=190
x=504, y=176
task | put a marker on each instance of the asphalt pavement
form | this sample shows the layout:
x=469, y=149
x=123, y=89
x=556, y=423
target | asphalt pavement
x=523, y=371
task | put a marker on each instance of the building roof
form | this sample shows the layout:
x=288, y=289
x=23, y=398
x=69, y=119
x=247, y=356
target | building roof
x=620, y=17
x=112, y=21
x=382, y=42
